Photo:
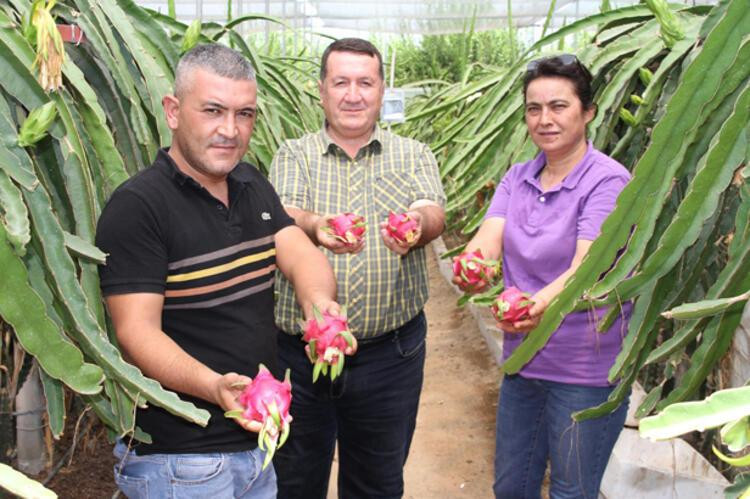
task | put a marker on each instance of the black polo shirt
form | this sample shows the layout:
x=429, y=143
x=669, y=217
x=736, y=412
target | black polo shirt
x=164, y=233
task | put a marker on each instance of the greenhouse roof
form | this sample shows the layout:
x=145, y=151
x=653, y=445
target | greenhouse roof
x=393, y=17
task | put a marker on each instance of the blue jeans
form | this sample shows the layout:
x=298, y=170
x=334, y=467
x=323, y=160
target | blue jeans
x=534, y=425
x=371, y=409
x=214, y=476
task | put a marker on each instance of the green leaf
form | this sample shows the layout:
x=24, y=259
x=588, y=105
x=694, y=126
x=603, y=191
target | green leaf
x=19, y=484
x=15, y=216
x=718, y=409
x=704, y=308
x=736, y=435
x=84, y=249
x=738, y=489
x=54, y=395
x=734, y=461
x=87, y=331
x=649, y=402
x=23, y=309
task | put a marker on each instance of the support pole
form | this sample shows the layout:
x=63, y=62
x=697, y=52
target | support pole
x=30, y=405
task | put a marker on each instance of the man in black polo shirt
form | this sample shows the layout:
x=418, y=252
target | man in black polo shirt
x=193, y=243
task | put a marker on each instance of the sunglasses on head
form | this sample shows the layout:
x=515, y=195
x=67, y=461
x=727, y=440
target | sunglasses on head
x=562, y=60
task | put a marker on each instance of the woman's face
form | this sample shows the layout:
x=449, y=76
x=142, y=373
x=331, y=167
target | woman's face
x=555, y=116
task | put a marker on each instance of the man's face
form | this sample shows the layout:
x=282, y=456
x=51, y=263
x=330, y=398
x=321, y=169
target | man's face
x=211, y=123
x=351, y=94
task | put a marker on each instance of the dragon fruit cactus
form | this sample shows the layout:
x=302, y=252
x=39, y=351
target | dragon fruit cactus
x=475, y=272
x=512, y=305
x=266, y=400
x=327, y=336
x=348, y=228
x=402, y=227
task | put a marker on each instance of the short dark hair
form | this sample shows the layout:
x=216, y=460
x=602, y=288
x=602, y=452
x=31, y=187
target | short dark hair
x=356, y=45
x=564, y=66
x=215, y=58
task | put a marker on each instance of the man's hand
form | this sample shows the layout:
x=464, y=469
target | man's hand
x=226, y=389
x=333, y=308
x=398, y=247
x=328, y=241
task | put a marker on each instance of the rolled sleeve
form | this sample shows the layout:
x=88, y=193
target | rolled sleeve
x=427, y=185
x=288, y=177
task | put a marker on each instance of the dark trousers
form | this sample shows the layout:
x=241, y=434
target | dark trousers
x=371, y=409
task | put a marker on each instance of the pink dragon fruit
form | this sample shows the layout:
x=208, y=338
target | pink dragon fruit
x=348, y=227
x=266, y=400
x=402, y=227
x=512, y=305
x=327, y=336
x=475, y=272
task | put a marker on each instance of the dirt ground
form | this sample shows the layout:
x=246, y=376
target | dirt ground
x=454, y=443
x=451, y=454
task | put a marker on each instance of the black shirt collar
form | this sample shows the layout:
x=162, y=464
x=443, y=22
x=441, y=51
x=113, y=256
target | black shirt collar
x=240, y=176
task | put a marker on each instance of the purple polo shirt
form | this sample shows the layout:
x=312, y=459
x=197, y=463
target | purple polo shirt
x=539, y=242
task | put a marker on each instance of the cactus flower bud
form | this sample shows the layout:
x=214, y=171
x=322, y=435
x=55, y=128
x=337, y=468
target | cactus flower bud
x=628, y=117
x=192, y=35
x=671, y=27
x=36, y=124
x=645, y=75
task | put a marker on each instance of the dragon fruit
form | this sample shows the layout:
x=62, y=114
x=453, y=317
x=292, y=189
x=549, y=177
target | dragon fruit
x=512, y=305
x=327, y=336
x=266, y=400
x=475, y=272
x=348, y=227
x=402, y=227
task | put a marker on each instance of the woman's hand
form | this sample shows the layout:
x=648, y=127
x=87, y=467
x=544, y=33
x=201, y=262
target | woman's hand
x=535, y=316
x=478, y=287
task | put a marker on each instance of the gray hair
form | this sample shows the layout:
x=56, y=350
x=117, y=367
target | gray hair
x=217, y=59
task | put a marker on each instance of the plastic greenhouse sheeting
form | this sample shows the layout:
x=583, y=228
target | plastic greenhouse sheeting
x=393, y=17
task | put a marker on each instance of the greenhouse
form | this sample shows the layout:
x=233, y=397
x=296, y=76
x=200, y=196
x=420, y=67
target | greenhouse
x=272, y=248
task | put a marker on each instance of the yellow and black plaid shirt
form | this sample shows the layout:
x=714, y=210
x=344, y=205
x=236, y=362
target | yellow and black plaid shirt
x=380, y=289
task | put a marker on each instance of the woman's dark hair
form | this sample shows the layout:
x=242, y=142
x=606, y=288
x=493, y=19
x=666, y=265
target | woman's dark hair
x=564, y=66
x=356, y=45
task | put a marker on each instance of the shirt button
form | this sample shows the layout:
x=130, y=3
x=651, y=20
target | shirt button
x=542, y=199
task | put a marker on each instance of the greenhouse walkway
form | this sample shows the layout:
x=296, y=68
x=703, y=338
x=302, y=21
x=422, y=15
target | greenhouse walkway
x=454, y=443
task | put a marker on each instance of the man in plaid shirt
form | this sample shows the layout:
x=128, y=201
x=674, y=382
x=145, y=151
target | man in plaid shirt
x=353, y=166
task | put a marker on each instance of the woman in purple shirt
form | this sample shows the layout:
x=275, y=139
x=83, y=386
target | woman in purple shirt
x=543, y=219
